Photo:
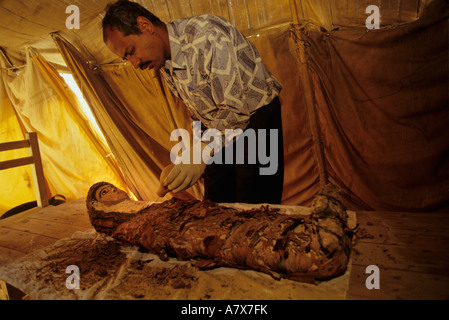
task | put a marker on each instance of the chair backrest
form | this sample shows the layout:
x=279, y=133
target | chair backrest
x=34, y=159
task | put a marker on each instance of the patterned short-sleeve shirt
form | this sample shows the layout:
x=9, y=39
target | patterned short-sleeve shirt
x=217, y=72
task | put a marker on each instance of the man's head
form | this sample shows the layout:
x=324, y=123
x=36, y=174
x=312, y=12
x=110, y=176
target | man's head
x=133, y=33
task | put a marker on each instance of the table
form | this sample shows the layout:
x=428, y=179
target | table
x=410, y=250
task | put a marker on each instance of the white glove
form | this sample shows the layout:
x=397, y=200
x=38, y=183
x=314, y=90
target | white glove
x=185, y=175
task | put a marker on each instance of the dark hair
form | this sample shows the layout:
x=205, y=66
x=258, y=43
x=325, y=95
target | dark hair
x=123, y=16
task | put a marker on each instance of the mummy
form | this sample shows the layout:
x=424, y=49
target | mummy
x=307, y=248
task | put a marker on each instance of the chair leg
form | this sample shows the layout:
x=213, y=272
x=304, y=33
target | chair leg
x=37, y=171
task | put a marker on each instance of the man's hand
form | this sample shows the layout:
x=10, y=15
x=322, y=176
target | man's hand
x=184, y=175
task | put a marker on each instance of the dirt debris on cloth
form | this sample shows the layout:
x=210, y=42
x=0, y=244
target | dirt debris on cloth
x=110, y=270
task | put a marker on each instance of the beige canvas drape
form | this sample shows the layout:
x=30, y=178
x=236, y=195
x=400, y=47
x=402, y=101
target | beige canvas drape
x=382, y=103
x=17, y=183
x=43, y=103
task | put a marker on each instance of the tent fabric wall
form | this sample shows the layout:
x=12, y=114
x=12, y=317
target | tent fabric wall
x=342, y=120
x=347, y=14
x=44, y=104
x=27, y=23
x=18, y=179
x=382, y=100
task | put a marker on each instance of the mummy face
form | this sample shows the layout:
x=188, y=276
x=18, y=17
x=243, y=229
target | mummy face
x=110, y=193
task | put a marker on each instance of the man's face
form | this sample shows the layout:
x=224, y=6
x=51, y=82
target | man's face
x=145, y=51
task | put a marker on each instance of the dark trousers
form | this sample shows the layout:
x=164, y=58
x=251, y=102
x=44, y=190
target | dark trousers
x=244, y=182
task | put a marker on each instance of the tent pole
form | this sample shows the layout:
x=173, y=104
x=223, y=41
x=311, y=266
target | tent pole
x=294, y=11
x=8, y=63
x=310, y=106
x=309, y=97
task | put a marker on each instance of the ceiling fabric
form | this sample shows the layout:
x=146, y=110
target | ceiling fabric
x=27, y=23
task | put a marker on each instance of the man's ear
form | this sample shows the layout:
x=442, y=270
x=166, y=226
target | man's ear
x=144, y=24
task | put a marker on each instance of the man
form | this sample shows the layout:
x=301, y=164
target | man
x=220, y=77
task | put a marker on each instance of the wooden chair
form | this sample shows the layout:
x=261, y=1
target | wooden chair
x=34, y=159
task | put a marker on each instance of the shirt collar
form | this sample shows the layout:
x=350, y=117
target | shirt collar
x=177, y=56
